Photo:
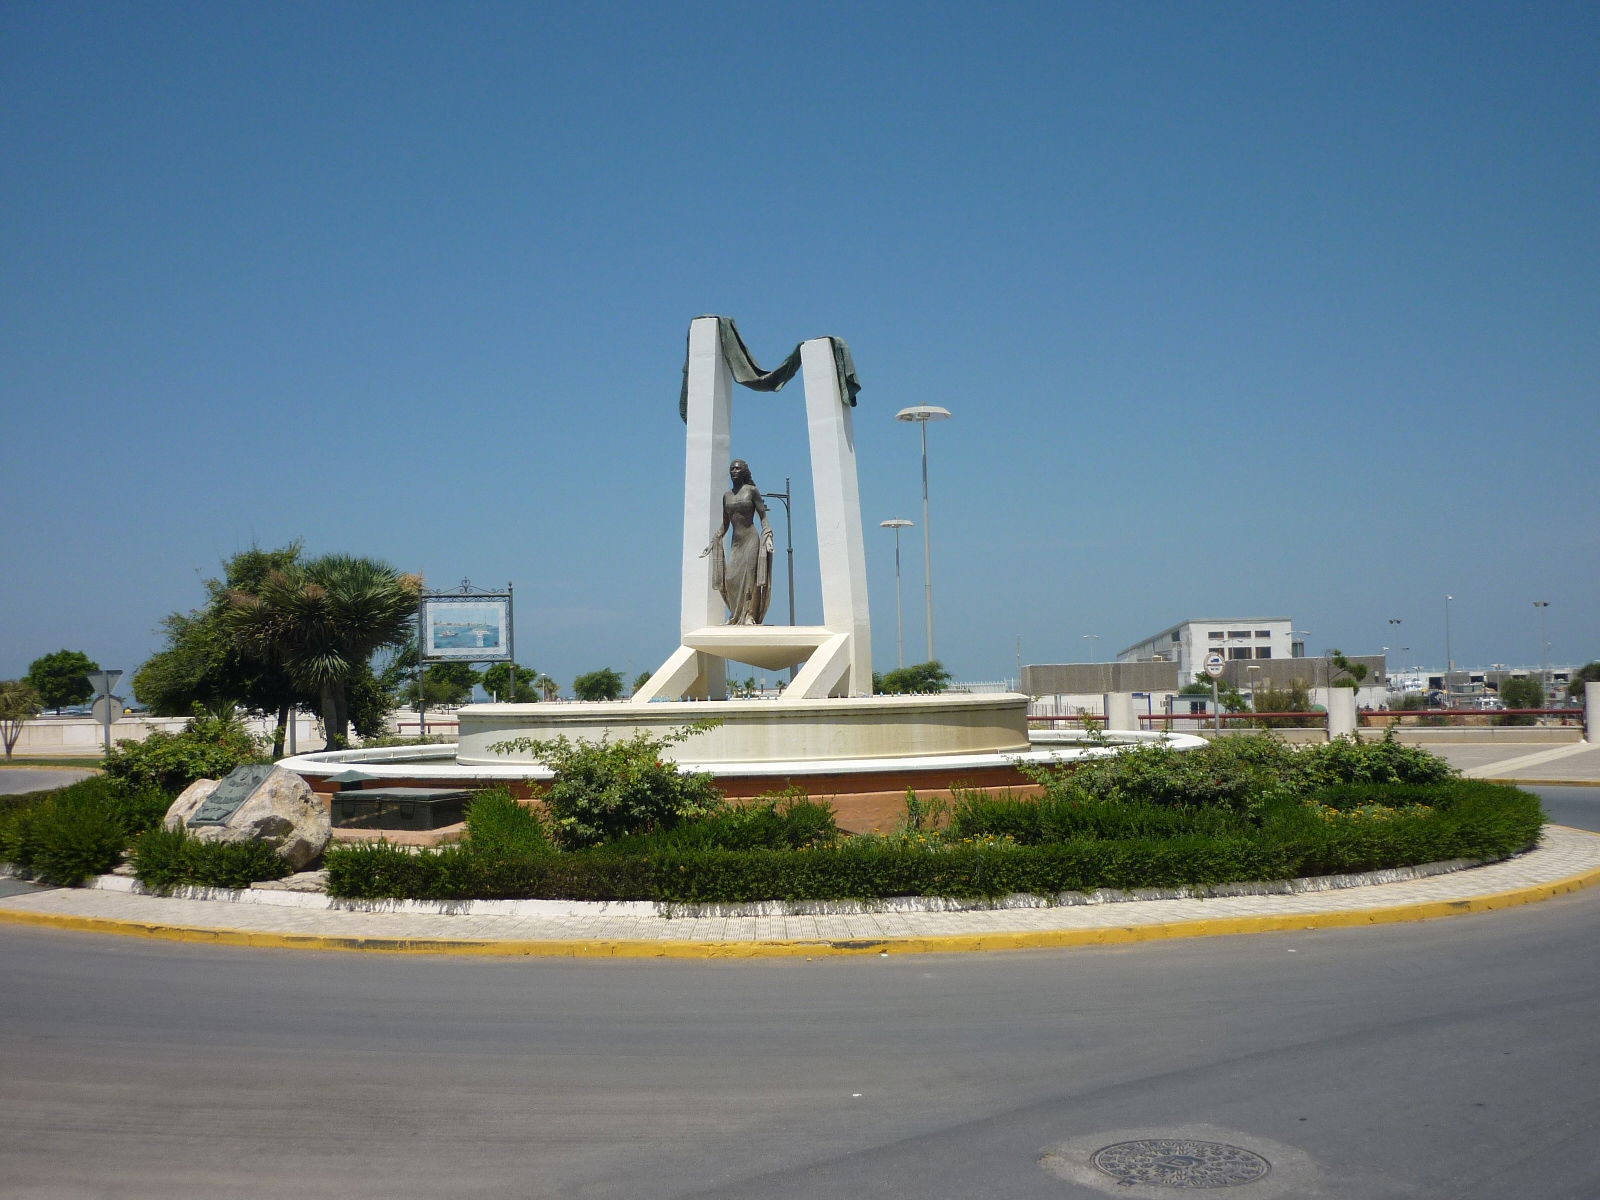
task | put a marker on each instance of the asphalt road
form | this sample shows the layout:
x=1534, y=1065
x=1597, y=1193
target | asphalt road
x=1451, y=1059
x=15, y=780
x=1578, y=807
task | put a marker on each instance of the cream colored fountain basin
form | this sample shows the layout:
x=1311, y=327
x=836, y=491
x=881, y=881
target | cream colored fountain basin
x=764, y=731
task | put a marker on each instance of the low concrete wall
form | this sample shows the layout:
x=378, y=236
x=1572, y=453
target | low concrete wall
x=84, y=737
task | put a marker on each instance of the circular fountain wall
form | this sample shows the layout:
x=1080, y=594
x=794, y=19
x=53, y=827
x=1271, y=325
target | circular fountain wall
x=860, y=754
x=750, y=732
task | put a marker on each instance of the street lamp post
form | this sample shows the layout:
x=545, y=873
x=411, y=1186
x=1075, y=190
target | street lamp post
x=1449, y=662
x=1088, y=651
x=1544, y=648
x=922, y=414
x=897, y=524
x=788, y=537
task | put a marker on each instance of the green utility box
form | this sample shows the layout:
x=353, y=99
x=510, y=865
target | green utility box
x=399, y=808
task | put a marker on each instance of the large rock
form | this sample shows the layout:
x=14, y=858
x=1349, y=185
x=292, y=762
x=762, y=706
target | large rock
x=281, y=809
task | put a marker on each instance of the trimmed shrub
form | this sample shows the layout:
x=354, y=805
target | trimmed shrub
x=1240, y=773
x=1237, y=772
x=1065, y=813
x=67, y=835
x=167, y=858
x=786, y=821
x=381, y=871
x=1352, y=760
x=1360, y=828
x=499, y=824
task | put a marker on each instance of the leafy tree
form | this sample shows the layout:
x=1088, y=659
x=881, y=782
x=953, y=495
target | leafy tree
x=1583, y=675
x=639, y=680
x=1230, y=697
x=369, y=701
x=19, y=703
x=62, y=678
x=920, y=678
x=604, y=684
x=323, y=621
x=1296, y=698
x=207, y=662
x=1522, y=692
x=1351, y=674
x=442, y=683
x=511, y=684
x=548, y=688
x=448, y=683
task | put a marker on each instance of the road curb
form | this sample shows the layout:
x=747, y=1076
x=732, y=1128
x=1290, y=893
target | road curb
x=1544, y=782
x=817, y=948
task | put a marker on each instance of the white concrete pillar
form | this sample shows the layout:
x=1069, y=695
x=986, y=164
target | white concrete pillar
x=1591, y=712
x=1118, y=707
x=1341, y=712
x=841, y=548
x=707, y=452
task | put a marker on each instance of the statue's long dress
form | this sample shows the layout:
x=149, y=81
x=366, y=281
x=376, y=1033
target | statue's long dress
x=746, y=583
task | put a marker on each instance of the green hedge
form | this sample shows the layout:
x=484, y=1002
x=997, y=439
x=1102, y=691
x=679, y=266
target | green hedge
x=66, y=835
x=167, y=858
x=1287, y=838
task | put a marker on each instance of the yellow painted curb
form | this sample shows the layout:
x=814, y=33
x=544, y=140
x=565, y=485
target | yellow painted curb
x=947, y=944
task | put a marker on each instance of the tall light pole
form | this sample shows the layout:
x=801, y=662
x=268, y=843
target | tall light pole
x=922, y=414
x=1089, y=650
x=897, y=524
x=1544, y=647
x=1449, y=662
x=788, y=536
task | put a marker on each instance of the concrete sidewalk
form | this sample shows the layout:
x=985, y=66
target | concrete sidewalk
x=1574, y=765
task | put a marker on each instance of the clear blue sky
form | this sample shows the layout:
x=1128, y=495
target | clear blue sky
x=1241, y=309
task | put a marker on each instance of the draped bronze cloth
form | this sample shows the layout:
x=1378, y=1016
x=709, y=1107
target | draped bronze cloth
x=746, y=371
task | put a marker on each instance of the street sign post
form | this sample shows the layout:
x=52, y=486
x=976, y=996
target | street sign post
x=105, y=704
x=1214, y=668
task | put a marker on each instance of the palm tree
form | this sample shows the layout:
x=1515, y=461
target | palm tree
x=19, y=704
x=324, y=620
x=548, y=686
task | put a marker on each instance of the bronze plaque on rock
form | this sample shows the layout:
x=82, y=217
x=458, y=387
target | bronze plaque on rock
x=231, y=794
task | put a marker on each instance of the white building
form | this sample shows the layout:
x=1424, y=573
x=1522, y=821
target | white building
x=1189, y=643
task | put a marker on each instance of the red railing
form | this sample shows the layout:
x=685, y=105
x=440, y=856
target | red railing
x=1312, y=720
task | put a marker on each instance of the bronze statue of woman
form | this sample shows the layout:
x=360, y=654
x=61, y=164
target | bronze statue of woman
x=744, y=575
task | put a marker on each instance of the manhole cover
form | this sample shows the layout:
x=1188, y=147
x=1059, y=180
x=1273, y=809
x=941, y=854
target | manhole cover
x=1180, y=1162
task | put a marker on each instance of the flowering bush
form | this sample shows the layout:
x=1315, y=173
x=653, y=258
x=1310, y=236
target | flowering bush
x=607, y=790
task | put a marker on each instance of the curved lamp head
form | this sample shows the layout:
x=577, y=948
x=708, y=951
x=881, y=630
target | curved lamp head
x=922, y=412
x=895, y=523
